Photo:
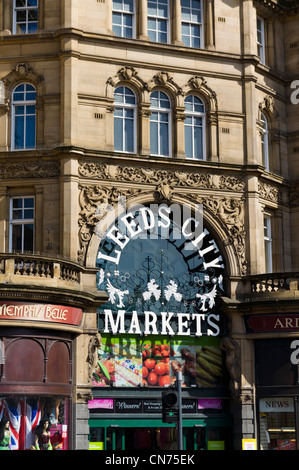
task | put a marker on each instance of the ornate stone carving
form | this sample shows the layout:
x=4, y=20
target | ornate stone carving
x=22, y=72
x=95, y=202
x=229, y=211
x=268, y=192
x=34, y=169
x=93, y=345
x=233, y=364
x=176, y=178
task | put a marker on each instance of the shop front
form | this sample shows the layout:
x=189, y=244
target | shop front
x=36, y=373
x=276, y=348
x=163, y=274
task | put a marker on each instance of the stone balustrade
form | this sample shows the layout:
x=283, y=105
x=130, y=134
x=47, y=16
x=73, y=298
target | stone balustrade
x=36, y=266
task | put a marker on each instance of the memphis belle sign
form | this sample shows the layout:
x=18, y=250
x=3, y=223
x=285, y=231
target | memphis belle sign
x=176, y=301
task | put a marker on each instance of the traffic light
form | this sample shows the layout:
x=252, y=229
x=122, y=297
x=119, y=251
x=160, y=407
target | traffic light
x=170, y=406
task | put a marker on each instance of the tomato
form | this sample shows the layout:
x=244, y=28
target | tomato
x=150, y=363
x=160, y=368
x=144, y=372
x=152, y=378
x=164, y=380
x=165, y=347
x=165, y=353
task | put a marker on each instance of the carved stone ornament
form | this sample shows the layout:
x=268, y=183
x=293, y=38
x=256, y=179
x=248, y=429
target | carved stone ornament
x=268, y=192
x=93, y=345
x=33, y=169
x=22, y=72
x=95, y=202
x=175, y=178
x=230, y=212
x=233, y=364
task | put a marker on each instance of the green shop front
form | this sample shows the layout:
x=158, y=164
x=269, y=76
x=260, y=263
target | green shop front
x=162, y=316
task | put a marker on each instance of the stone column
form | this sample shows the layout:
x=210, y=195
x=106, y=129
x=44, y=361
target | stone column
x=179, y=137
x=142, y=17
x=144, y=132
x=69, y=197
x=254, y=229
x=270, y=44
x=177, y=23
x=210, y=40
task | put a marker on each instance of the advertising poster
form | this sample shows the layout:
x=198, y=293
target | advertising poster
x=131, y=361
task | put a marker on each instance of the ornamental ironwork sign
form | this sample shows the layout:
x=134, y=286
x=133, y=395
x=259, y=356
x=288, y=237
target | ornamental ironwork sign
x=162, y=271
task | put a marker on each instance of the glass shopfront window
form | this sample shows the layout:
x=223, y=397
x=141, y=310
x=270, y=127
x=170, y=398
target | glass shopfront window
x=277, y=388
x=36, y=423
x=277, y=424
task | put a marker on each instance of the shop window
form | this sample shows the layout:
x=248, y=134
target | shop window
x=191, y=23
x=268, y=243
x=160, y=124
x=158, y=20
x=26, y=413
x=277, y=423
x=124, y=120
x=123, y=18
x=21, y=224
x=194, y=128
x=261, y=39
x=25, y=16
x=23, y=117
x=273, y=363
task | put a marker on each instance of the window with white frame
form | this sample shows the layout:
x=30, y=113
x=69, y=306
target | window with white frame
x=195, y=147
x=265, y=141
x=160, y=124
x=23, y=117
x=191, y=23
x=25, y=16
x=123, y=18
x=21, y=224
x=261, y=39
x=268, y=243
x=158, y=20
x=124, y=120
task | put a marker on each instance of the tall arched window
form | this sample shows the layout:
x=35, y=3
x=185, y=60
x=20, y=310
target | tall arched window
x=23, y=117
x=160, y=124
x=124, y=120
x=195, y=147
x=265, y=142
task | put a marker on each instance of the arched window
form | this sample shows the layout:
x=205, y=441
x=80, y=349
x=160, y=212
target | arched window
x=160, y=124
x=195, y=147
x=265, y=142
x=23, y=117
x=124, y=120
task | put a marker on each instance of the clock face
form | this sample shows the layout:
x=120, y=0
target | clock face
x=157, y=261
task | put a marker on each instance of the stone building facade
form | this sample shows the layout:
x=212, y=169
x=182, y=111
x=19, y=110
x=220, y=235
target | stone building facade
x=159, y=102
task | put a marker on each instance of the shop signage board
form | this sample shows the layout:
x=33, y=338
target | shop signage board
x=276, y=405
x=284, y=322
x=30, y=311
x=162, y=271
x=149, y=405
x=249, y=444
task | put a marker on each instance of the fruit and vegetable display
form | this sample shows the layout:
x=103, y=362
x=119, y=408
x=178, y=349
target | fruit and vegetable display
x=154, y=363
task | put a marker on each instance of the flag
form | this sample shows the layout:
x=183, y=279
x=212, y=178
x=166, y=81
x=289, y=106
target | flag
x=32, y=416
x=13, y=413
